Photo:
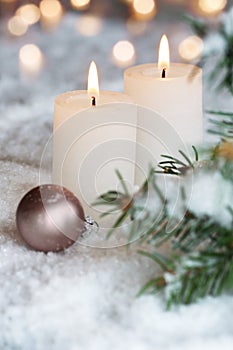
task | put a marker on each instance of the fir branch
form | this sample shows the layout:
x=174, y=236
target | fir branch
x=223, y=69
x=198, y=25
x=119, y=201
x=227, y=60
x=222, y=124
x=123, y=184
x=153, y=286
x=206, y=264
x=193, y=277
x=208, y=271
x=201, y=262
x=118, y=222
x=198, y=275
x=165, y=263
x=175, y=166
x=222, y=113
x=142, y=222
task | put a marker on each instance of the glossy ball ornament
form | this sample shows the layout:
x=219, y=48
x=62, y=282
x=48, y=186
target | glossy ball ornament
x=50, y=218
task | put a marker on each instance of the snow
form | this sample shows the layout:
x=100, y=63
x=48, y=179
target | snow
x=83, y=298
x=219, y=192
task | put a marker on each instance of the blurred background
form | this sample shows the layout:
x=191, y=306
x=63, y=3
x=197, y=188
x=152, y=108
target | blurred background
x=59, y=38
x=138, y=9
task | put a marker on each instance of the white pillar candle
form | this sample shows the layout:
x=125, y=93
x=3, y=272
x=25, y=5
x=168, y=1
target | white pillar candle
x=175, y=92
x=91, y=142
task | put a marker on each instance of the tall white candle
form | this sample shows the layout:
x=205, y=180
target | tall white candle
x=173, y=91
x=94, y=134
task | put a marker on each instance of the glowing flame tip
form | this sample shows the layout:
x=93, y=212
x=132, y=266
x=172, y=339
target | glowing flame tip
x=164, y=53
x=93, y=80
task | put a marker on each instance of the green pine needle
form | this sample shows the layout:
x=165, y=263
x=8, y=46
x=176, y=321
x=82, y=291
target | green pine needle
x=175, y=166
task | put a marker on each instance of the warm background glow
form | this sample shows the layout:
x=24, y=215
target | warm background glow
x=144, y=9
x=30, y=13
x=51, y=12
x=123, y=53
x=212, y=6
x=80, y=4
x=30, y=60
x=137, y=14
x=191, y=48
x=17, y=26
x=24, y=19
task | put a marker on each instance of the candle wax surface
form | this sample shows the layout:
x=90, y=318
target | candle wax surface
x=91, y=143
x=177, y=99
x=75, y=101
x=151, y=70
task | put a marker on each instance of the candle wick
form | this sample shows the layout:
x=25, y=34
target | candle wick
x=93, y=101
x=164, y=73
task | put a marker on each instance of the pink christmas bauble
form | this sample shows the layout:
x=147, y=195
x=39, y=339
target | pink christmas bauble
x=50, y=218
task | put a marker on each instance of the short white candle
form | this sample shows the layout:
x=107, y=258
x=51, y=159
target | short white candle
x=175, y=92
x=94, y=134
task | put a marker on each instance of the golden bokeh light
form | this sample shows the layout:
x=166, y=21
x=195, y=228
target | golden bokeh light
x=30, y=59
x=89, y=25
x=51, y=12
x=212, y=7
x=30, y=13
x=123, y=53
x=144, y=9
x=80, y=4
x=191, y=48
x=143, y=6
x=17, y=26
x=50, y=8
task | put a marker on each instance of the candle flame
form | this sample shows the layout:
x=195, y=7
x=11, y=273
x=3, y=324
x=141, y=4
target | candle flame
x=164, y=53
x=93, y=81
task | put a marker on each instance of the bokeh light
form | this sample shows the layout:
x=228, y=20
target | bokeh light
x=191, y=48
x=80, y=4
x=212, y=6
x=89, y=25
x=51, y=12
x=30, y=59
x=17, y=26
x=144, y=9
x=123, y=53
x=30, y=13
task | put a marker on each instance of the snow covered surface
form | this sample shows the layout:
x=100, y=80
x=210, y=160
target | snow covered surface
x=83, y=298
